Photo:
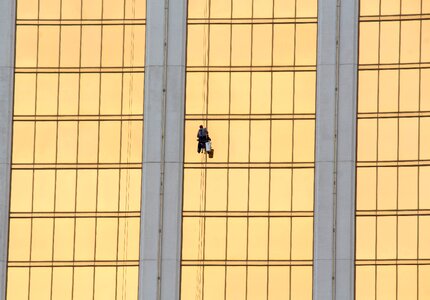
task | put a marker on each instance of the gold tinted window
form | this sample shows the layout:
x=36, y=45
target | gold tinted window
x=248, y=211
x=77, y=149
x=392, y=151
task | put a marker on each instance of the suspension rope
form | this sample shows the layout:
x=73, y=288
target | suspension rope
x=199, y=285
x=128, y=156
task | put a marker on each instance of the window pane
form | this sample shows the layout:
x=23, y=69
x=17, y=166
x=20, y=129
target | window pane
x=83, y=283
x=21, y=191
x=40, y=283
x=49, y=46
x=219, y=53
x=70, y=46
x=26, y=46
x=19, y=241
x=41, y=242
x=104, y=286
x=77, y=149
x=63, y=239
x=25, y=91
x=251, y=81
x=23, y=141
x=65, y=191
x=106, y=241
x=17, y=283
x=62, y=283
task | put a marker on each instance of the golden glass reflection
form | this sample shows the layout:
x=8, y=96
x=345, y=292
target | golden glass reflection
x=410, y=46
x=365, y=282
x=237, y=239
x=62, y=283
x=242, y=9
x=257, y=283
x=236, y=283
x=68, y=101
x=63, y=239
x=70, y=46
x=48, y=50
x=392, y=193
x=104, y=283
x=67, y=142
x=242, y=84
x=19, y=242
x=77, y=149
x=40, y=283
x=17, y=287
x=85, y=239
x=241, y=45
x=27, y=9
x=26, y=46
x=24, y=98
x=71, y=9
x=83, y=283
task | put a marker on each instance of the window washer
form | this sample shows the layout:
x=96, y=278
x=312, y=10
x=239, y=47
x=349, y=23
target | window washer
x=202, y=138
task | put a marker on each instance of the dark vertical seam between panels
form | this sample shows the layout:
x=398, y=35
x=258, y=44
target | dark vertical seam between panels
x=419, y=154
x=270, y=155
x=131, y=101
x=120, y=158
x=98, y=151
x=398, y=168
x=34, y=153
x=377, y=149
x=314, y=156
x=292, y=148
x=77, y=150
x=357, y=94
x=249, y=148
x=183, y=158
x=10, y=171
x=314, y=151
x=56, y=150
x=228, y=153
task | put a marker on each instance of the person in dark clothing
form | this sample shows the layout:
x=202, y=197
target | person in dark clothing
x=202, y=138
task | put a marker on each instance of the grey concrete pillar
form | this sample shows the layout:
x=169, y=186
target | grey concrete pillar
x=346, y=170
x=7, y=45
x=162, y=170
x=334, y=232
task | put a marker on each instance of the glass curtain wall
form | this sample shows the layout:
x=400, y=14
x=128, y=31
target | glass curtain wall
x=393, y=156
x=248, y=211
x=77, y=144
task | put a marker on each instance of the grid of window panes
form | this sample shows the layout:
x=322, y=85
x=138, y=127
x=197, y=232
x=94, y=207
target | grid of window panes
x=77, y=144
x=393, y=155
x=248, y=211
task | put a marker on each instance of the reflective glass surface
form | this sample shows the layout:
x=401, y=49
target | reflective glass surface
x=393, y=151
x=77, y=149
x=248, y=211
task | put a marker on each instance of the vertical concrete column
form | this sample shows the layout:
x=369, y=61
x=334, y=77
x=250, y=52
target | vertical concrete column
x=7, y=45
x=335, y=150
x=325, y=151
x=163, y=151
x=346, y=154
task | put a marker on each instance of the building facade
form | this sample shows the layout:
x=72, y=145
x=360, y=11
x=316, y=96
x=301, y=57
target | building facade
x=319, y=117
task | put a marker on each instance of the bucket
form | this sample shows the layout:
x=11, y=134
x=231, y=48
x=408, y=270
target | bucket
x=208, y=146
